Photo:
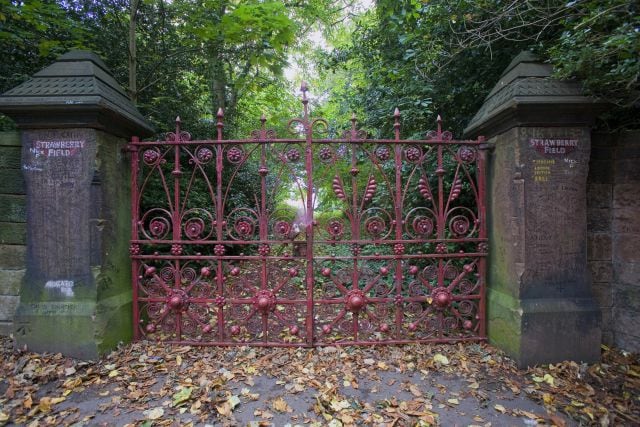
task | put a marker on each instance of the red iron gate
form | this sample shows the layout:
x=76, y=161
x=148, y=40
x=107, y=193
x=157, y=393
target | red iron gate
x=388, y=247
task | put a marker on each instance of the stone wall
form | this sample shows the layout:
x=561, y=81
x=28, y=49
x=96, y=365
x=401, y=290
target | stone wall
x=12, y=228
x=614, y=234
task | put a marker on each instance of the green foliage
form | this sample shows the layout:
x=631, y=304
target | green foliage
x=600, y=45
x=32, y=34
x=442, y=57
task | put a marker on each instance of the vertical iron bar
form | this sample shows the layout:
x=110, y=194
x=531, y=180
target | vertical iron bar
x=263, y=235
x=441, y=218
x=219, y=222
x=309, y=213
x=135, y=215
x=355, y=223
x=398, y=219
x=175, y=219
x=482, y=262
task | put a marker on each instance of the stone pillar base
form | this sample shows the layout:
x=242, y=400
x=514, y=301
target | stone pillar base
x=39, y=326
x=545, y=330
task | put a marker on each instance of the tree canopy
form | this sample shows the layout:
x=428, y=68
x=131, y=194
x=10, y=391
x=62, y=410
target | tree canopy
x=426, y=57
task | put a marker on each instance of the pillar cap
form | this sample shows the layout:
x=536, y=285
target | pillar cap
x=528, y=95
x=77, y=90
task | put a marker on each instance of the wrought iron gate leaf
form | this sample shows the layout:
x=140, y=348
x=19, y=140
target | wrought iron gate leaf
x=346, y=241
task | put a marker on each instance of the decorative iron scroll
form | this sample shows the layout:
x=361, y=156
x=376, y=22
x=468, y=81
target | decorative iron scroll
x=388, y=247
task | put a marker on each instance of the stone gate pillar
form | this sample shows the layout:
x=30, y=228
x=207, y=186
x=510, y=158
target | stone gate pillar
x=74, y=120
x=540, y=308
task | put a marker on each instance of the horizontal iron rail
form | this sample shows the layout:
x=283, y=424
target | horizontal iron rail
x=315, y=141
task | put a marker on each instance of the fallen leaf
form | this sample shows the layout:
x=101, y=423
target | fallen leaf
x=181, y=396
x=27, y=402
x=153, y=414
x=500, y=408
x=280, y=405
x=441, y=358
x=415, y=390
x=453, y=401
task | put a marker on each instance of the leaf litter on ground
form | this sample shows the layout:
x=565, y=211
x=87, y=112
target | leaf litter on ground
x=158, y=382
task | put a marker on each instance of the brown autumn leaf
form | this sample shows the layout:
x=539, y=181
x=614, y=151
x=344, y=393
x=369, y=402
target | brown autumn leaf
x=280, y=405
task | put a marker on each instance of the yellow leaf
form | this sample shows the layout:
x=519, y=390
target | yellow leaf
x=280, y=405
x=45, y=404
x=114, y=373
x=453, y=401
x=577, y=404
x=500, y=408
x=441, y=358
x=339, y=405
x=4, y=417
x=224, y=409
x=548, y=379
x=474, y=385
x=547, y=398
x=72, y=383
x=178, y=360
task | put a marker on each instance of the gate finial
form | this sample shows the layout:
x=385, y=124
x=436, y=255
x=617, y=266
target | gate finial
x=220, y=123
x=396, y=122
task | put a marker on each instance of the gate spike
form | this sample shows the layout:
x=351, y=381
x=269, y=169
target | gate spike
x=439, y=120
x=220, y=123
x=178, y=122
x=396, y=112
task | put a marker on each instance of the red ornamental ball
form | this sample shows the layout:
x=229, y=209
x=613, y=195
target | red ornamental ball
x=356, y=302
x=384, y=271
x=442, y=299
x=263, y=303
x=326, y=329
x=235, y=330
x=151, y=328
x=293, y=272
x=207, y=328
x=413, y=270
x=468, y=324
x=326, y=272
x=205, y=271
x=235, y=271
x=468, y=268
x=294, y=330
x=384, y=327
x=175, y=301
x=149, y=271
x=413, y=326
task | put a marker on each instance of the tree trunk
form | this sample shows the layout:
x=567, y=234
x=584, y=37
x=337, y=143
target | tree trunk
x=133, y=58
